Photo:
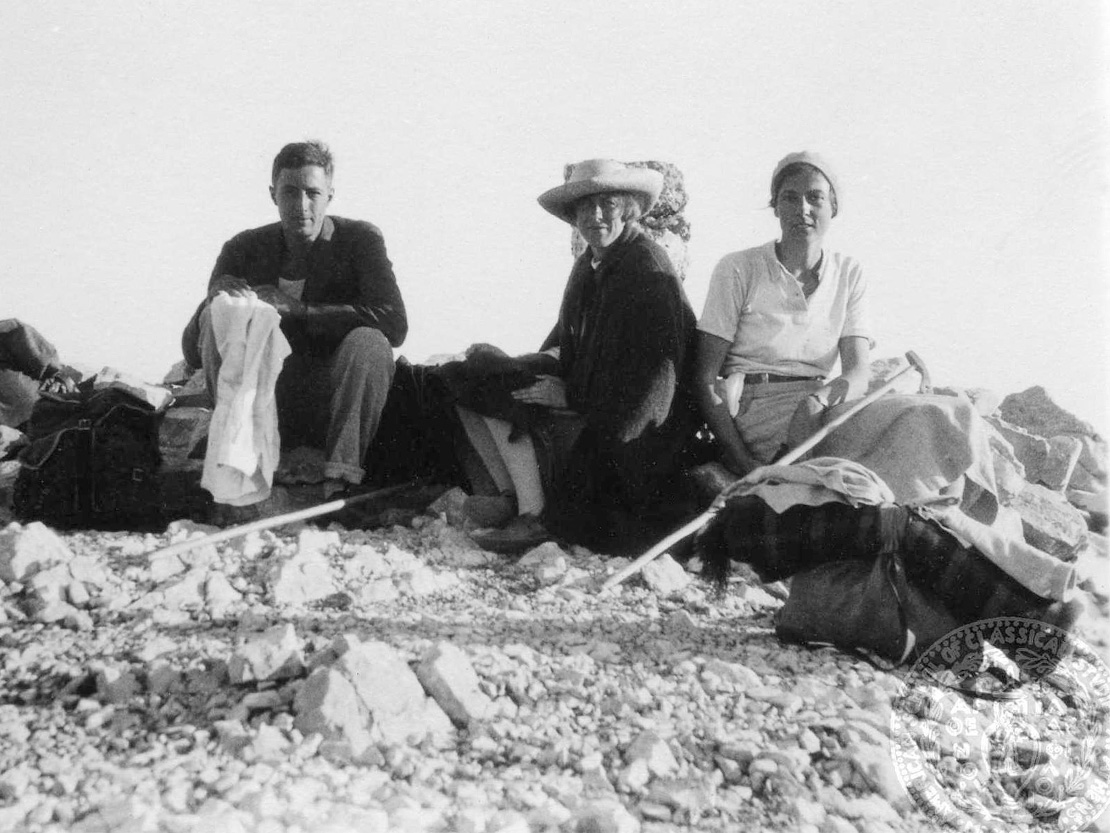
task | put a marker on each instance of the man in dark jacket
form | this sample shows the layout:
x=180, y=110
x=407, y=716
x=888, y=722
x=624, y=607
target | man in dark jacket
x=28, y=363
x=331, y=282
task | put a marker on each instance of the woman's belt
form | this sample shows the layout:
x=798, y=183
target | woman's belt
x=765, y=378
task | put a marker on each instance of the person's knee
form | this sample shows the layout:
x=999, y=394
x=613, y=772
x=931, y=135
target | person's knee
x=368, y=349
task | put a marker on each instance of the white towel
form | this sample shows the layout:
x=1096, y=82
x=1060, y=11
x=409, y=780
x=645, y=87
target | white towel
x=243, y=441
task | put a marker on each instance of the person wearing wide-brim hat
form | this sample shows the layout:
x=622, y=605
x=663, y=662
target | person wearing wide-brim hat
x=617, y=386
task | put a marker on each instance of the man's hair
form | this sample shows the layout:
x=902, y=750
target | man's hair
x=299, y=154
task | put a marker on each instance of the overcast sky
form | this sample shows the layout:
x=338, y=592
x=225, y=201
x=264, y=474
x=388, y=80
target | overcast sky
x=971, y=141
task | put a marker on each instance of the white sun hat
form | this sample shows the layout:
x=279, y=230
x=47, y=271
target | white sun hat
x=601, y=176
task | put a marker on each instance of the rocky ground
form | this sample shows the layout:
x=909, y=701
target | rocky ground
x=402, y=679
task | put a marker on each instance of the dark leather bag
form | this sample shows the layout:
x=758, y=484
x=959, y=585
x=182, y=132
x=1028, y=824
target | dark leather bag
x=92, y=463
x=865, y=606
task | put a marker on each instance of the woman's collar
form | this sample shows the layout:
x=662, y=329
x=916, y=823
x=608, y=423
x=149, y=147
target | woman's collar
x=631, y=232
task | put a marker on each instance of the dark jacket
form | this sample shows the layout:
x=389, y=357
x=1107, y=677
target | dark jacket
x=625, y=337
x=350, y=284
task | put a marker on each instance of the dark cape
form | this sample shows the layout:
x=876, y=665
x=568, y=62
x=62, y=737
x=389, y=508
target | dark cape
x=625, y=337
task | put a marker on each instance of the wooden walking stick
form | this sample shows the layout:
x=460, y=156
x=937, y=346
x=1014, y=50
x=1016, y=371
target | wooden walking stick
x=281, y=520
x=913, y=363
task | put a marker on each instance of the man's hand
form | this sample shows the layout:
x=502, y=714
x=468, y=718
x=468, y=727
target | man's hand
x=550, y=391
x=286, y=305
x=233, y=286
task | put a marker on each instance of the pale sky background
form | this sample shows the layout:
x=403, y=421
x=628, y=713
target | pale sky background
x=971, y=140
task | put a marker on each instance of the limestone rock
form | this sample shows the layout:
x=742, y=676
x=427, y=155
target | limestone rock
x=329, y=704
x=734, y=672
x=275, y=654
x=315, y=543
x=25, y=550
x=1093, y=459
x=1028, y=449
x=188, y=592
x=452, y=505
x=875, y=766
x=164, y=565
x=116, y=685
x=665, y=576
x=547, y=562
x=604, y=817
x=1009, y=472
x=1063, y=456
x=446, y=674
x=1095, y=503
x=653, y=751
x=392, y=694
x=1049, y=522
x=219, y=595
x=305, y=577
x=1035, y=411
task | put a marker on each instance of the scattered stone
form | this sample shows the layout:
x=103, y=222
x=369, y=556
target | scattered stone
x=188, y=592
x=605, y=817
x=1059, y=466
x=446, y=674
x=1035, y=411
x=392, y=694
x=275, y=654
x=24, y=550
x=304, y=577
x=650, y=753
x=329, y=704
x=1049, y=522
x=665, y=576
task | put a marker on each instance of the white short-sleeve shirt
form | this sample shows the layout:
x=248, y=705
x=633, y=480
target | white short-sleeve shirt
x=758, y=306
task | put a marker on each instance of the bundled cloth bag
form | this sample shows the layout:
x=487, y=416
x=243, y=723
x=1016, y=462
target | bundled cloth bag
x=867, y=574
x=92, y=462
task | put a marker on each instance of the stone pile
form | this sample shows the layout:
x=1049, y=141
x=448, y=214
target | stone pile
x=402, y=679
x=1049, y=466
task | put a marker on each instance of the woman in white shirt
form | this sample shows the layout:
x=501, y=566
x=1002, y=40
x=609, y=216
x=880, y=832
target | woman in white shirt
x=777, y=318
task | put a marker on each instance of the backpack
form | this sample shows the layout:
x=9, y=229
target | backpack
x=92, y=463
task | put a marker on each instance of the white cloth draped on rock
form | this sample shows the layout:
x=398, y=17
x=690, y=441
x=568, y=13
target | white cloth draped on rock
x=244, y=445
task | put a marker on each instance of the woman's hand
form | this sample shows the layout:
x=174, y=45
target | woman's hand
x=549, y=391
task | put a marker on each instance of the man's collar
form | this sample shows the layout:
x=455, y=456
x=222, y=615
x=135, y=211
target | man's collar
x=327, y=230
